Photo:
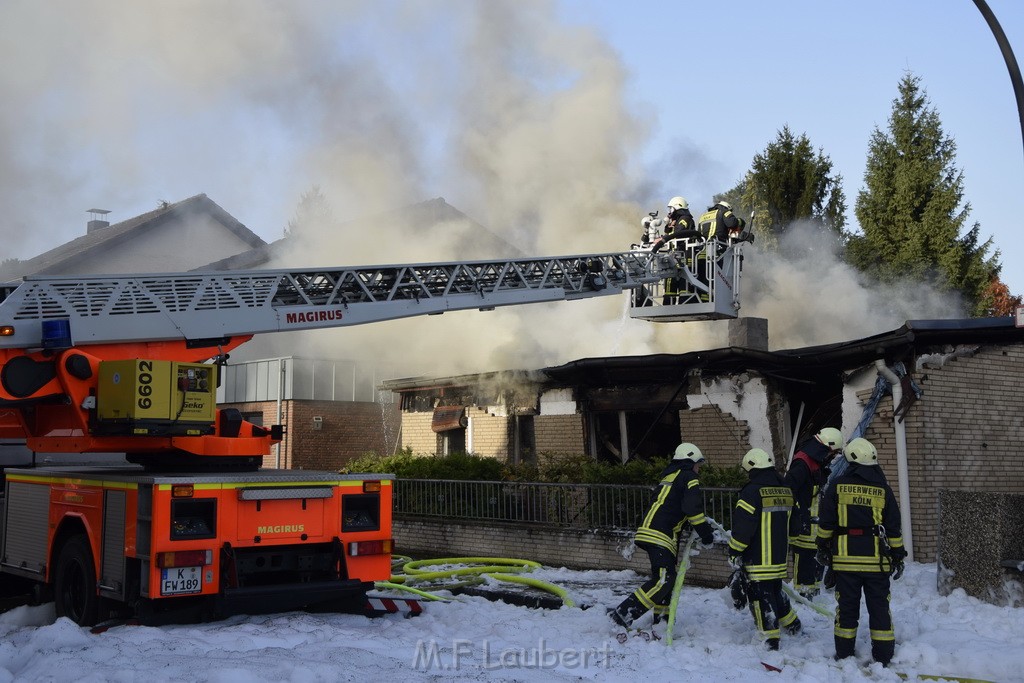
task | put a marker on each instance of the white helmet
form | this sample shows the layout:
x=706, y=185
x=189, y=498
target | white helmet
x=725, y=204
x=861, y=451
x=757, y=459
x=832, y=438
x=687, y=451
x=677, y=203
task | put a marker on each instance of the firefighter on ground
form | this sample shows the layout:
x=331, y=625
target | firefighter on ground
x=759, y=546
x=860, y=534
x=678, y=507
x=807, y=473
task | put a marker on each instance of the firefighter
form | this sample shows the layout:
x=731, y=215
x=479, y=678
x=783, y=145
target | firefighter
x=716, y=225
x=859, y=533
x=679, y=224
x=807, y=472
x=759, y=546
x=678, y=505
x=720, y=223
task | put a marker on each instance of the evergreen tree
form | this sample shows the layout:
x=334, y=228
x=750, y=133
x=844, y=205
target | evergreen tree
x=313, y=215
x=911, y=211
x=789, y=181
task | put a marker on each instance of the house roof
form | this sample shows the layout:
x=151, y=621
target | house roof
x=915, y=337
x=808, y=364
x=62, y=258
x=426, y=213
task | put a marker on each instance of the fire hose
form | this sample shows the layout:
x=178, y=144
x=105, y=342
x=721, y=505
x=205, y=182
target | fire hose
x=497, y=568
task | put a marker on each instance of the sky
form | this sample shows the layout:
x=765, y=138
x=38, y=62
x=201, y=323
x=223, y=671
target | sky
x=474, y=639
x=557, y=124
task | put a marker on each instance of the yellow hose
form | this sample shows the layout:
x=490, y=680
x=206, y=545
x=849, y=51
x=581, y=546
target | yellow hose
x=414, y=591
x=537, y=583
x=496, y=567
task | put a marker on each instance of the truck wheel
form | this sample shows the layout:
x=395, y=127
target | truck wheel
x=75, y=595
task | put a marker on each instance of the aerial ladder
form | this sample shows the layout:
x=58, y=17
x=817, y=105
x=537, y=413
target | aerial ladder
x=128, y=364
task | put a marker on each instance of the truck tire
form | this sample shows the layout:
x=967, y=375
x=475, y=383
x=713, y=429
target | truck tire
x=75, y=595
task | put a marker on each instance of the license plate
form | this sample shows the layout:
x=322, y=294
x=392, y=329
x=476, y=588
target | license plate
x=180, y=580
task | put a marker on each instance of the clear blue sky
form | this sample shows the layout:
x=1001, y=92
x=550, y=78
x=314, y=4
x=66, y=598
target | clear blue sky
x=119, y=105
x=830, y=70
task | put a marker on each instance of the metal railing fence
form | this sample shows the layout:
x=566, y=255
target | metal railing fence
x=574, y=506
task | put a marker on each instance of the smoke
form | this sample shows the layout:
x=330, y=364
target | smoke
x=809, y=296
x=515, y=117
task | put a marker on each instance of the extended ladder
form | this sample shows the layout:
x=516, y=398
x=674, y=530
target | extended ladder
x=62, y=311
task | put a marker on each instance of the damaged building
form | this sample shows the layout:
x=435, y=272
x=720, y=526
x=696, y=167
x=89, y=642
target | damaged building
x=940, y=399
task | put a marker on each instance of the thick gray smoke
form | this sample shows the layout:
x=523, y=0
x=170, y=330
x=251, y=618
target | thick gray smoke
x=811, y=297
x=514, y=117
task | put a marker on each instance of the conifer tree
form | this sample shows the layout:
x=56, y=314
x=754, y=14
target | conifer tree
x=789, y=181
x=313, y=215
x=911, y=210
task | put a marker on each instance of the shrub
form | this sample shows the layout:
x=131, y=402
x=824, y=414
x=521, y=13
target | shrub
x=552, y=468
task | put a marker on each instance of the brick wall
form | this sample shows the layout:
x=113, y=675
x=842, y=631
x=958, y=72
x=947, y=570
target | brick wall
x=349, y=429
x=490, y=433
x=417, y=434
x=720, y=437
x=575, y=549
x=559, y=434
x=963, y=434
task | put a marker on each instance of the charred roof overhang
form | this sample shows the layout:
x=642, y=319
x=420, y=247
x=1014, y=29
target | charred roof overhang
x=799, y=365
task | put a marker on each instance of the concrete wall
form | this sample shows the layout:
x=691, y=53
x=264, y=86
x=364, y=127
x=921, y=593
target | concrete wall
x=572, y=548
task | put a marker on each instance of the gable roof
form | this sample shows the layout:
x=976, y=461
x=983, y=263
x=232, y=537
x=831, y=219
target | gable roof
x=62, y=258
x=428, y=213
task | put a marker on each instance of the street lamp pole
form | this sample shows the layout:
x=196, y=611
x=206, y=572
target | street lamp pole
x=1011, y=61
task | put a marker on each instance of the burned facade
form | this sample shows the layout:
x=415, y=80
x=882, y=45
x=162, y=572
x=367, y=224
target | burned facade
x=948, y=414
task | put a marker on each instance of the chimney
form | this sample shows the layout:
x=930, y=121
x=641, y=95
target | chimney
x=749, y=333
x=97, y=221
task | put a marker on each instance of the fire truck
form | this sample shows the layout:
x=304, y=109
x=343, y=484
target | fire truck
x=187, y=521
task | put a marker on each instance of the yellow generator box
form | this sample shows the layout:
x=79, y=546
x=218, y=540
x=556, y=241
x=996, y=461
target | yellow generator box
x=156, y=397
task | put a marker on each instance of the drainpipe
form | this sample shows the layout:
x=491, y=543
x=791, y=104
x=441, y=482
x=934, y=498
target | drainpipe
x=901, y=456
x=623, y=438
x=280, y=390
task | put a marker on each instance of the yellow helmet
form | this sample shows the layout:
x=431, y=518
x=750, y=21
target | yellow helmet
x=861, y=451
x=831, y=437
x=757, y=459
x=687, y=451
x=677, y=203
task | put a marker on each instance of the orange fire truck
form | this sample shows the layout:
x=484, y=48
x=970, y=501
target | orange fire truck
x=128, y=364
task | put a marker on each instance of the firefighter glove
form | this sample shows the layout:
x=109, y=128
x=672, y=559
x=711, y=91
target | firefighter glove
x=707, y=539
x=824, y=554
x=738, y=589
x=896, y=556
x=735, y=560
